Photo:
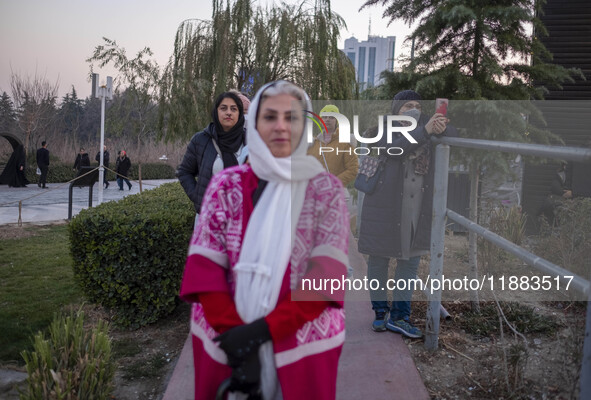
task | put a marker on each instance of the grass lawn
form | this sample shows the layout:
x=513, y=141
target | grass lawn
x=36, y=281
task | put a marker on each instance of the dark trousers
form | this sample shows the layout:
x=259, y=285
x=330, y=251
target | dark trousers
x=120, y=182
x=43, y=177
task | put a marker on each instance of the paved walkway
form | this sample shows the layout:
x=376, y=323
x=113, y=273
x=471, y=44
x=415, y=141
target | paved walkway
x=45, y=205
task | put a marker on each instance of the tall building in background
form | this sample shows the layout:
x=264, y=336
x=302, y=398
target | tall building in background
x=370, y=58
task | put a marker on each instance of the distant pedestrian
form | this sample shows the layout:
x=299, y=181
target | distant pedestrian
x=43, y=164
x=123, y=166
x=105, y=163
x=82, y=160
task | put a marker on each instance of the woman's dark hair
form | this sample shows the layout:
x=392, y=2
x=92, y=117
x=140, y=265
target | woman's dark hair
x=218, y=101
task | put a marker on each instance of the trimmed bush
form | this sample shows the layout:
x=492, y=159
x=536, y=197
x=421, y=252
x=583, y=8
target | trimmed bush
x=57, y=173
x=129, y=255
x=152, y=171
x=72, y=363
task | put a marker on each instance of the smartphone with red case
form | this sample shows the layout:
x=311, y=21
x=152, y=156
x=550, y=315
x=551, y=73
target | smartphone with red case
x=441, y=106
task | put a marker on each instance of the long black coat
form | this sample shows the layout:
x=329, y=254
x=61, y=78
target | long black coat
x=198, y=163
x=13, y=175
x=82, y=160
x=123, y=166
x=105, y=158
x=380, y=232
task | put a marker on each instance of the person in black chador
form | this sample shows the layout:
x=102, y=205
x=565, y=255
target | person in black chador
x=43, y=164
x=14, y=172
x=82, y=160
x=105, y=163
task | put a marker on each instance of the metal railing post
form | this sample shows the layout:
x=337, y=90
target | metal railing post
x=437, y=243
x=585, y=377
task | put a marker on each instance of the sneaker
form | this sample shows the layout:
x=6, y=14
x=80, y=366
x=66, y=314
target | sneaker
x=379, y=324
x=404, y=327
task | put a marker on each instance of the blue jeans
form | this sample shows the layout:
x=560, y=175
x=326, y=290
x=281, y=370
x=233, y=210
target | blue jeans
x=377, y=268
x=120, y=182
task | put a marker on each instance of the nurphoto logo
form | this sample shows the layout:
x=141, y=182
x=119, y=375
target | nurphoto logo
x=400, y=124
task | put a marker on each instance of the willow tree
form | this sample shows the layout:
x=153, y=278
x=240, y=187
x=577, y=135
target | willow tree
x=244, y=47
x=479, y=50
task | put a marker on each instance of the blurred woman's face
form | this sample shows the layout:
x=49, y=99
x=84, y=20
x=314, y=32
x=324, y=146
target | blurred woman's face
x=228, y=114
x=280, y=123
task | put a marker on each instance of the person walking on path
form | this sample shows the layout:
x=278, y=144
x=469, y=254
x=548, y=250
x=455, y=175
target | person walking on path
x=43, y=164
x=396, y=217
x=244, y=271
x=82, y=160
x=218, y=146
x=105, y=164
x=122, y=168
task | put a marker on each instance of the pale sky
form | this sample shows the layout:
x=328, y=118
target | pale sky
x=55, y=37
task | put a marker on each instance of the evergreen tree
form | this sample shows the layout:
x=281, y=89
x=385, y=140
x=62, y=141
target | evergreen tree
x=7, y=114
x=70, y=115
x=244, y=47
x=472, y=49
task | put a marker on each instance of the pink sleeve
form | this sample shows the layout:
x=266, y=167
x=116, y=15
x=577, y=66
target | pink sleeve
x=210, y=236
x=329, y=255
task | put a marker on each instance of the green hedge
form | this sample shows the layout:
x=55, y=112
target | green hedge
x=129, y=255
x=59, y=172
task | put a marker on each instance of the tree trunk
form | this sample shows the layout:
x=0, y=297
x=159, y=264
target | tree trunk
x=472, y=237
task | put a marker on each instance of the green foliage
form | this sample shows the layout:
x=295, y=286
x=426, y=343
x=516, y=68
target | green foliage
x=288, y=41
x=129, y=255
x=7, y=114
x=30, y=294
x=467, y=49
x=58, y=173
x=568, y=243
x=152, y=171
x=72, y=363
x=70, y=116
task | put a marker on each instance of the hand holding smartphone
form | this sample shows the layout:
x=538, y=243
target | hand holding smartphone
x=441, y=106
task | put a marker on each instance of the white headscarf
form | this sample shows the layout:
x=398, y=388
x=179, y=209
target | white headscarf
x=269, y=237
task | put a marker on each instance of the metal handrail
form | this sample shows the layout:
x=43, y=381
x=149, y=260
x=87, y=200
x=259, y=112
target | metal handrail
x=440, y=212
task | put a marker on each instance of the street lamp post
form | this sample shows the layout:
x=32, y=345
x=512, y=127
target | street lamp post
x=103, y=92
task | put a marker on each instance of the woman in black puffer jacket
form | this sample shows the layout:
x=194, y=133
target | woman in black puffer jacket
x=220, y=145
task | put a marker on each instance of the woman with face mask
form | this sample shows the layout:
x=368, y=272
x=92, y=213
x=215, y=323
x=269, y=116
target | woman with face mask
x=396, y=217
x=220, y=145
x=264, y=227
